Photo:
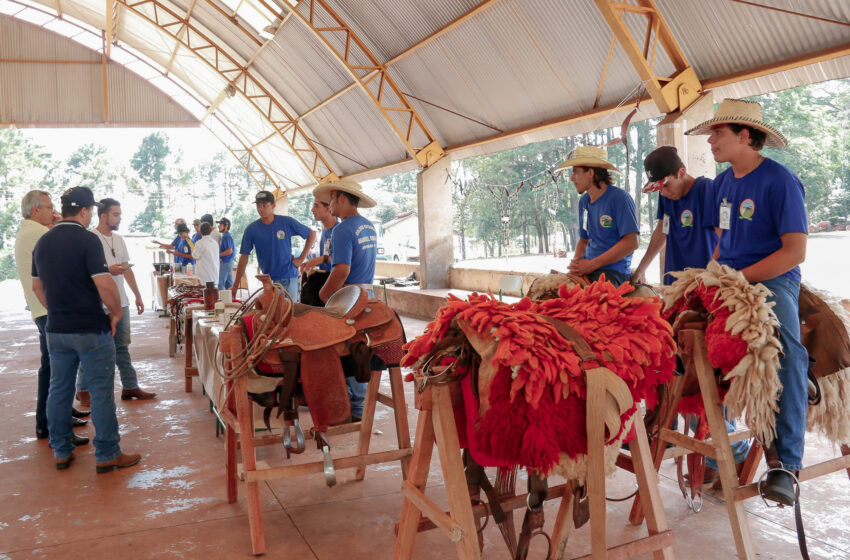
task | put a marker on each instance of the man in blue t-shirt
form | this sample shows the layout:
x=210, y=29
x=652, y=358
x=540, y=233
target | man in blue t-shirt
x=315, y=279
x=354, y=249
x=227, y=252
x=686, y=230
x=183, y=247
x=272, y=235
x=686, y=216
x=608, y=228
x=761, y=212
x=71, y=279
x=196, y=223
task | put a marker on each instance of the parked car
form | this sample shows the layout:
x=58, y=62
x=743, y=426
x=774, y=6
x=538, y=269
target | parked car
x=407, y=250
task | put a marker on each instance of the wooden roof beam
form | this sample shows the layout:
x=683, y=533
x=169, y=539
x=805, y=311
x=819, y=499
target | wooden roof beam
x=669, y=93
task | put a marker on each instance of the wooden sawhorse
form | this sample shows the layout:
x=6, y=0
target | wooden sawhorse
x=694, y=354
x=436, y=427
x=239, y=433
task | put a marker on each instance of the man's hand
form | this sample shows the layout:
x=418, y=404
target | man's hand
x=114, y=319
x=298, y=261
x=140, y=305
x=582, y=267
x=312, y=263
x=118, y=269
x=638, y=276
x=233, y=290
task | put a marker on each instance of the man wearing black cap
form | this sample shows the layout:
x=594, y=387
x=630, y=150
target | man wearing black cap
x=272, y=237
x=183, y=246
x=227, y=252
x=71, y=279
x=686, y=216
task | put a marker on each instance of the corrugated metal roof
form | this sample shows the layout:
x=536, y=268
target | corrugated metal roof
x=512, y=65
x=36, y=94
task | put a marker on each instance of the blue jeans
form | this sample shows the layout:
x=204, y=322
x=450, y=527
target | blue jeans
x=793, y=374
x=740, y=449
x=291, y=286
x=225, y=275
x=43, y=376
x=96, y=354
x=611, y=276
x=129, y=379
x=356, y=389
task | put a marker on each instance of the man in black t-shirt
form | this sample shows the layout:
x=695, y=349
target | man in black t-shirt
x=71, y=279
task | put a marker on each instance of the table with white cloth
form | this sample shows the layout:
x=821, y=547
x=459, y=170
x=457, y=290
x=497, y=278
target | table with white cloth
x=205, y=333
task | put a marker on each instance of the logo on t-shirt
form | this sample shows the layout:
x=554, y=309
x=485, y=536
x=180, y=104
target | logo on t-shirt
x=606, y=221
x=280, y=234
x=687, y=218
x=747, y=209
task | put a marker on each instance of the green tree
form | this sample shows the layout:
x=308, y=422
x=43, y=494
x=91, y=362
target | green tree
x=150, y=162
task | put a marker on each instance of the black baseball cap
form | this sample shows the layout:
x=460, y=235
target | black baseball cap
x=207, y=218
x=79, y=197
x=181, y=227
x=264, y=196
x=224, y=221
x=662, y=162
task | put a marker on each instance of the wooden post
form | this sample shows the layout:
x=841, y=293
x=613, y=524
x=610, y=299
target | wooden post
x=367, y=420
x=249, y=463
x=417, y=476
x=402, y=429
x=596, y=463
x=720, y=438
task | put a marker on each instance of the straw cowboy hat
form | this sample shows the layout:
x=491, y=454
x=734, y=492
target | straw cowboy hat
x=323, y=191
x=744, y=112
x=589, y=156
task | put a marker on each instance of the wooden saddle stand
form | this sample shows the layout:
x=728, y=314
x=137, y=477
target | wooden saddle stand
x=736, y=487
x=463, y=522
x=300, y=355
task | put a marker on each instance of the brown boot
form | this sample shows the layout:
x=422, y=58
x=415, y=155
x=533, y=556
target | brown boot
x=62, y=464
x=778, y=485
x=121, y=462
x=137, y=393
x=84, y=399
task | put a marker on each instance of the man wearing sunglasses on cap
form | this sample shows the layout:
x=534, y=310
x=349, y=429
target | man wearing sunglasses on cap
x=686, y=216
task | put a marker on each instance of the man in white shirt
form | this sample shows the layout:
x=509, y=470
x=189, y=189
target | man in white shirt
x=206, y=256
x=118, y=260
x=37, y=210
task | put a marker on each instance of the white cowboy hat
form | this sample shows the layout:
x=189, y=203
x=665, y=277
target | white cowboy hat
x=744, y=112
x=589, y=156
x=349, y=187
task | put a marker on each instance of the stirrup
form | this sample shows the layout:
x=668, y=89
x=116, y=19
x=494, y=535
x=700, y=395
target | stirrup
x=300, y=445
x=330, y=473
x=763, y=481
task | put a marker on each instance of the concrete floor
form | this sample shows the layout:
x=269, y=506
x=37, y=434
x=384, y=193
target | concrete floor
x=172, y=505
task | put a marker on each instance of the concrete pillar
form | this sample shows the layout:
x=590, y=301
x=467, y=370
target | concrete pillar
x=436, y=242
x=281, y=206
x=694, y=150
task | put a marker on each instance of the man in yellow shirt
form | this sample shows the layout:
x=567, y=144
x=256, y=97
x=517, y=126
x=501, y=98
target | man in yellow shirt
x=37, y=210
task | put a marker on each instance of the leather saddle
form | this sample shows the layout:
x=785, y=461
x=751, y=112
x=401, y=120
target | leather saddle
x=308, y=357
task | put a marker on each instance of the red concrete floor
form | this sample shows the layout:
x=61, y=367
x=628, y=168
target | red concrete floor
x=172, y=505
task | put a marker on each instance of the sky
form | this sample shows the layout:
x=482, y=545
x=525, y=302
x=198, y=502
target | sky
x=198, y=144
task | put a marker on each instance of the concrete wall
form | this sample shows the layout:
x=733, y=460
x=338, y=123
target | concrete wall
x=395, y=269
x=483, y=280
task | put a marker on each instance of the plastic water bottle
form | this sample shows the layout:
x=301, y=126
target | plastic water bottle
x=189, y=269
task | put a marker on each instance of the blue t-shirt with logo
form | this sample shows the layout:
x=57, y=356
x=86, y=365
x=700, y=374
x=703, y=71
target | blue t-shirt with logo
x=196, y=237
x=691, y=238
x=227, y=243
x=766, y=203
x=325, y=246
x=354, y=242
x=65, y=260
x=274, y=245
x=184, y=246
x=604, y=222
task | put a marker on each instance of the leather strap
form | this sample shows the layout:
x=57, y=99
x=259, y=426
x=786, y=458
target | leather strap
x=580, y=345
x=801, y=531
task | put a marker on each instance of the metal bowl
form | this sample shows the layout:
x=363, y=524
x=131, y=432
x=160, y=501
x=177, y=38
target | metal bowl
x=162, y=268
